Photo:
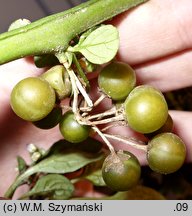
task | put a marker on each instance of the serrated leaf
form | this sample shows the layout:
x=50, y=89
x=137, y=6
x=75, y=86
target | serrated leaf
x=69, y=161
x=52, y=186
x=100, y=46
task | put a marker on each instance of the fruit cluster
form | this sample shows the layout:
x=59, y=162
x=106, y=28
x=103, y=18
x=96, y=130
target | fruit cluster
x=143, y=108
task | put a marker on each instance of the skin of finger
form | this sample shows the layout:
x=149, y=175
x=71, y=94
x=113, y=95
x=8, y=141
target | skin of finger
x=168, y=73
x=153, y=30
x=182, y=127
x=16, y=135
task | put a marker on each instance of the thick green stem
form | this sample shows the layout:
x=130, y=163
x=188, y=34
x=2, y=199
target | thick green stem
x=53, y=33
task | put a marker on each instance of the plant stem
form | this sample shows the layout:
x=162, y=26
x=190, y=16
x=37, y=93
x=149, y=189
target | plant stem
x=104, y=139
x=115, y=124
x=18, y=181
x=87, y=109
x=108, y=120
x=83, y=92
x=99, y=100
x=76, y=85
x=80, y=71
x=110, y=112
x=75, y=91
x=128, y=141
x=53, y=34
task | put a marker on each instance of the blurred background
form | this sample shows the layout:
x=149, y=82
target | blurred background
x=11, y=10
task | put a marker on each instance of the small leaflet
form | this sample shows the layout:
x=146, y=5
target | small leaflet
x=100, y=46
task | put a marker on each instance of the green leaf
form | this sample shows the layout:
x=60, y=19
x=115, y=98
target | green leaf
x=61, y=158
x=66, y=162
x=93, y=173
x=96, y=178
x=86, y=33
x=100, y=46
x=52, y=186
x=22, y=166
x=90, y=145
x=58, y=147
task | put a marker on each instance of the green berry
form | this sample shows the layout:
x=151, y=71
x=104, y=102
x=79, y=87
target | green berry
x=166, y=153
x=121, y=171
x=146, y=109
x=32, y=99
x=117, y=80
x=71, y=130
x=167, y=127
x=58, y=78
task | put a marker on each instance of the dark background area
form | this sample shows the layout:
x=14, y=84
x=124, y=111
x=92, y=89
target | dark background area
x=32, y=10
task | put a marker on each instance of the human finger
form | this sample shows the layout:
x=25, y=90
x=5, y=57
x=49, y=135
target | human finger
x=168, y=73
x=182, y=127
x=154, y=30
